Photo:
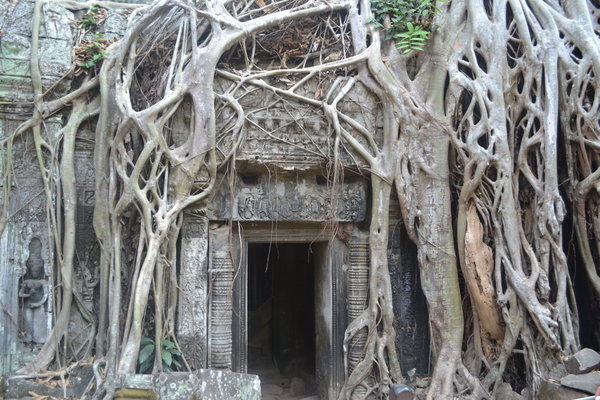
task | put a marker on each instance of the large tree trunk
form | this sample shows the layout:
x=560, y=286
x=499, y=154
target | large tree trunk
x=438, y=266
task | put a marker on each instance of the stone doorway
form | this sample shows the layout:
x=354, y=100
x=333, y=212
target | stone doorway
x=312, y=287
x=281, y=317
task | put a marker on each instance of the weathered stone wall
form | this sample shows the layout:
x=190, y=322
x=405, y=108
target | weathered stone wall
x=26, y=253
x=23, y=321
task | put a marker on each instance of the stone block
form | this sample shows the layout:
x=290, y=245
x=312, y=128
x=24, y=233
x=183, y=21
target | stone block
x=203, y=384
x=57, y=22
x=586, y=383
x=583, y=361
x=552, y=390
x=115, y=24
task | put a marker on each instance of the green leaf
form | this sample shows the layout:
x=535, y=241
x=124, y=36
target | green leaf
x=145, y=368
x=167, y=358
x=167, y=344
x=146, y=340
x=146, y=353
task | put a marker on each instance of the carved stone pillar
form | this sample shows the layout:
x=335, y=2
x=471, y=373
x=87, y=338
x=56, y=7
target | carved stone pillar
x=357, y=292
x=220, y=274
x=193, y=294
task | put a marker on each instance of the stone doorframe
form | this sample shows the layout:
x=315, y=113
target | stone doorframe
x=212, y=321
x=330, y=303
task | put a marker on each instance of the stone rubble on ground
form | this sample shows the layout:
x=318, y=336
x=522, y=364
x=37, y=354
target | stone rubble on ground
x=573, y=380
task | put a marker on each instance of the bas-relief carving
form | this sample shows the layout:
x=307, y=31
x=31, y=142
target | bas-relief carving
x=34, y=290
x=26, y=284
x=299, y=143
x=35, y=287
x=26, y=256
x=193, y=282
x=298, y=199
x=297, y=136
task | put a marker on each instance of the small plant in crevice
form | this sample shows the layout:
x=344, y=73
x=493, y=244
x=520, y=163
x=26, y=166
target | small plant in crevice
x=93, y=18
x=90, y=53
x=409, y=22
x=92, y=48
x=170, y=354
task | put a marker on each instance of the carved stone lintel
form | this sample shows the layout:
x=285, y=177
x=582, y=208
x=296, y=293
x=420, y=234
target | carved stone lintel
x=297, y=199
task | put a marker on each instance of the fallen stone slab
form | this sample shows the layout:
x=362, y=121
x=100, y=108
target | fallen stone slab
x=586, y=382
x=585, y=360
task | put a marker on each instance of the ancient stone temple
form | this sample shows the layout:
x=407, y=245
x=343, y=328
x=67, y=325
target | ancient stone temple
x=272, y=267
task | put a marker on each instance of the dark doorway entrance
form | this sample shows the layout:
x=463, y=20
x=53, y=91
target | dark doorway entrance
x=281, y=318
